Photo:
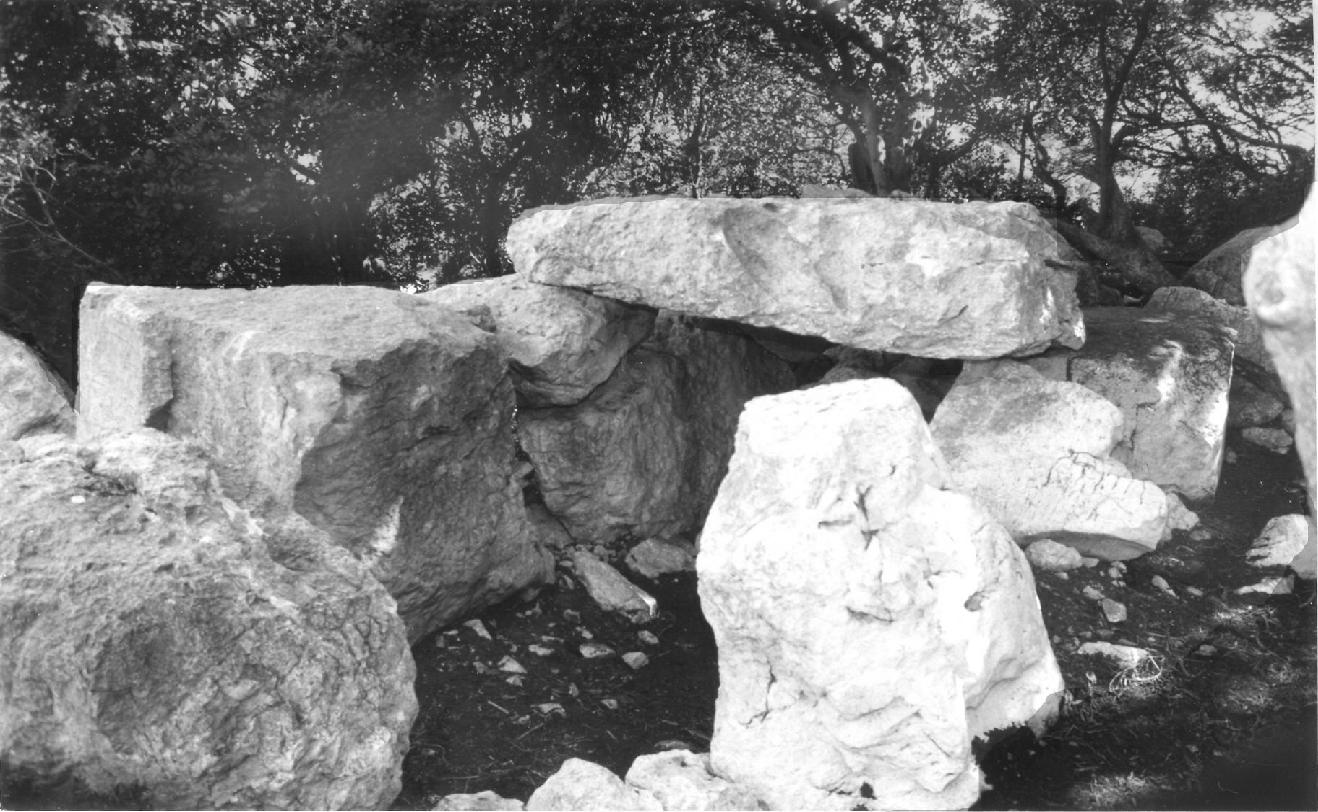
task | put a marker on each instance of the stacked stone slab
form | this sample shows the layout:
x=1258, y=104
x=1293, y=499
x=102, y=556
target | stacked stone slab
x=627, y=418
x=1037, y=453
x=162, y=649
x=384, y=419
x=921, y=278
x=33, y=399
x=1170, y=376
x=870, y=624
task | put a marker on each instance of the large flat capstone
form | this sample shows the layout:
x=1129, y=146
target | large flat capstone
x=383, y=418
x=870, y=624
x=937, y=280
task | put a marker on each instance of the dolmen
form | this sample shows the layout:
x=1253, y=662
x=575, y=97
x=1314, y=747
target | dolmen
x=858, y=410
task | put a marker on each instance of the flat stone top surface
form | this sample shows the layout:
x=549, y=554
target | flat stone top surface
x=927, y=278
x=335, y=321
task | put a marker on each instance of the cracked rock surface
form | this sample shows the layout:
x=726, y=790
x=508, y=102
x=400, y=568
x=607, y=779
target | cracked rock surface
x=161, y=648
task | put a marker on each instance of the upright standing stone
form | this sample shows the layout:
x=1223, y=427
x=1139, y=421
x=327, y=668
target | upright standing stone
x=383, y=418
x=1221, y=272
x=870, y=624
x=936, y=280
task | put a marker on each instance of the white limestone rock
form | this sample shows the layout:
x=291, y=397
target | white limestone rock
x=486, y=801
x=1276, y=441
x=1048, y=555
x=1198, y=305
x=975, y=280
x=653, y=557
x=382, y=418
x=869, y=623
x=643, y=455
x=1281, y=541
x=1251, y=405
x=1171, y=377
x=584, y=785
x=561, y=343
x=1279, y=288
x=33, y=399
x=680, y=779
x=1037, y=454
x=1220, y=273
x=159, y=643
x=611, y=591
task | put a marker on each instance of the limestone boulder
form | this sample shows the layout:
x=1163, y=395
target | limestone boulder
x=1221, y=271
x=584, y=785
x=382, y=418
x=870, y=623
x=1197, y=305
x=1279, y=287
x=680, y=779
x=1037, y=453
x=1171, y=379
x=33, y=399
x=643, y=455
x=976, y=280
x=561, y=344
x=158, y=643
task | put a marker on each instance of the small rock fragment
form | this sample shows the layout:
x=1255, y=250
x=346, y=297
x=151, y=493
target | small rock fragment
x=476, y=801
x=1231, y=457
x=1089, y=562
x=1093, y=593
x=647, y=637
x=1117, y=571
x=510, y=666
x=655, y=557
x=1195, y=591
x=1051, y=556
x=1282, y=539
x=595, y=651
x=1278, y=441
x=1114, y=611
x=611, y=704
x=479, y=628
x=1161, y=584
x=613, y=592
x=516, y=680
x=1206, y=650
x=539, y=651
x=635, y=660
x=1201, y=534
x=1125, y=656
x=551, y=708
x=583, y=785
x=1283, y=585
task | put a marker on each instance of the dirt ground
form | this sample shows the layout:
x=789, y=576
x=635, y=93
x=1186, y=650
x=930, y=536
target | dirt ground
x=1220, y=716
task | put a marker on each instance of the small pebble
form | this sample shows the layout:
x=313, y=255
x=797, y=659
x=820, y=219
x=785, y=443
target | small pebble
x=1114, y=611
x=1116, y=571
x=1089, y=561
x=540, y=651
x=1200, y=534
x=611, y=704
x=573, y=690
x=594, y=651
x=1195, y=591
x=1062, y=576
x=635, y=660
x=78, y=499
x=1231, y=456
x=647, y=637
x=548, y=708
x=1206, y=650
x=1161, y=584
x=479, y=628
x=1093, y=593
x=510, y=666
x=516, y=680
x=571, y=615
x=586, y=634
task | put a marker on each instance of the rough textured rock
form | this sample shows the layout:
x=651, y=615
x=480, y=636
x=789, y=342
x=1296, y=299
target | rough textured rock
x=156, y=643
x=1251, y=405
x=1278, y=441
x=1282, y=539
x=869, y=623
x=1037, y=454
x=383, y=418
x=976, y=280
x=644, y=454
x=1048, y=555
x=33, y=399
x=561, y=343
x=583, y=785
x=1201, y=306
x=652, y=558
x=612, y=591
x=680, y=779
x=1171, y=378
x=474, y=801
x=1220, y=272
x=1279, y=287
